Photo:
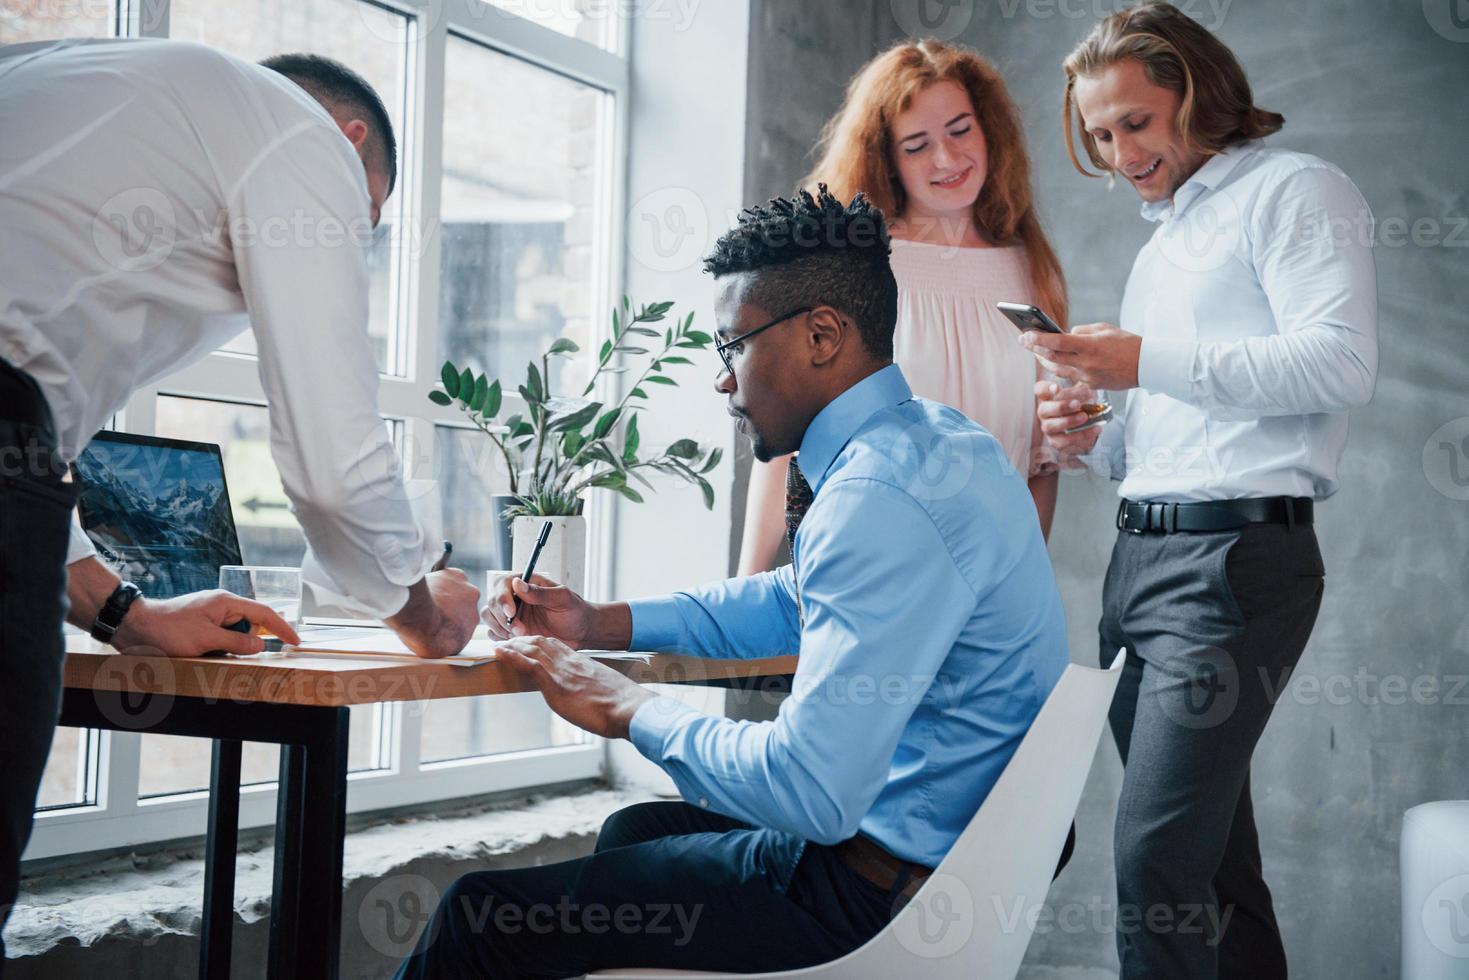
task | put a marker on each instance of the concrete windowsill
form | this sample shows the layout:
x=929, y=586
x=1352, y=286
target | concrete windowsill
x=92, y=919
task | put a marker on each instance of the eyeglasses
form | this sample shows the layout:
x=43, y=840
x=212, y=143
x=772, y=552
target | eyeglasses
x=723, y=349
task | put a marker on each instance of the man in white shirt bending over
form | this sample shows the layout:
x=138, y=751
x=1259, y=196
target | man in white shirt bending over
x=156, y=199
x=1248, y=330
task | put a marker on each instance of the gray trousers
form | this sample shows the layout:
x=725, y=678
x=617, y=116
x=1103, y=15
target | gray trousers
x=1214, y=623
x=35, y=518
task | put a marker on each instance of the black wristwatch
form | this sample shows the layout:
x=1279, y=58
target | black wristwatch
x=113, y=610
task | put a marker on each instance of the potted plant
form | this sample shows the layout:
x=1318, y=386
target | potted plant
x=556, y=448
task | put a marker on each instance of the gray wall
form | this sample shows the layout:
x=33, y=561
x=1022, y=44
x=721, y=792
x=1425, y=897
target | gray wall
x=1378, y=89
x=802, y=55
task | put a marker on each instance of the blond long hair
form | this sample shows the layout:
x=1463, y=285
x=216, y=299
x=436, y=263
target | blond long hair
x=857, y=145
x=1217, y=109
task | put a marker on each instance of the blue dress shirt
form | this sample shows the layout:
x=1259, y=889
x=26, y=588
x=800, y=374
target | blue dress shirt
x=933, y=633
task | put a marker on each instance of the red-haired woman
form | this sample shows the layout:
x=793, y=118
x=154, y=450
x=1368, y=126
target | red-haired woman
x=930, y=133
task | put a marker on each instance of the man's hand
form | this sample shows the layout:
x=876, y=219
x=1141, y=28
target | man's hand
x=590, y=695
x=1059, y=409
x=440, y=615
x=549, y=609
x=193, y=625
x=1097, y=354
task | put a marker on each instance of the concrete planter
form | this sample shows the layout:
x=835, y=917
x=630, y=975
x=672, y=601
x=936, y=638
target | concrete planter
x=564, y=558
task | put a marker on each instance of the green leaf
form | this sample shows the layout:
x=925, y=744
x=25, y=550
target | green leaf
x=493, y=400
x=699, y=337
x=637, y=393
x=439, y=398
x=606, y=351
x=616, y=324
x=708, y=493
x=450, y=376
x=675, y=359
x=522, y=431
x=630, y=493
x=688, y=321
x=533, y=382
x=576, y=419
x=605, y=423
x=668, y=338
x=714, y=457
x=684, y=449
x=481, y=392
x=626, y=303
x=643, y=331
x=659, y=379
x=610, y=481
x=466, y=386
x=563, y=346
x=630, y=446
x=572, y=444
x=633, y=350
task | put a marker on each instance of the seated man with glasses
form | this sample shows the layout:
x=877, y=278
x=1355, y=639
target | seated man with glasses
x=924, y=609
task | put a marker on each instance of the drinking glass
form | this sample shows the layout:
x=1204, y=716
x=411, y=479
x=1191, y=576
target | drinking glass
x=278, y=588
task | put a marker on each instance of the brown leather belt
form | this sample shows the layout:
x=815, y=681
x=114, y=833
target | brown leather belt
x=872, y=861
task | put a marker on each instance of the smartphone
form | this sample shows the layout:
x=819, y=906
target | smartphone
x=1028, y=317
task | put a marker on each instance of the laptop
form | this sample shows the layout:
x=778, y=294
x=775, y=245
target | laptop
x=158, y=511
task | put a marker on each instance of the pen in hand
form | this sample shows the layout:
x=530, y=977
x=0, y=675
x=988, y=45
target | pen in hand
x=443, y=562
x=530, y=567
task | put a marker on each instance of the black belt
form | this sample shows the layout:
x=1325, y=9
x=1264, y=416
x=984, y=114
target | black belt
x=1214, y=515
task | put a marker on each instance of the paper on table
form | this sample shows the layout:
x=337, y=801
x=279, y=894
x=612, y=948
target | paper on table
x=386, y=645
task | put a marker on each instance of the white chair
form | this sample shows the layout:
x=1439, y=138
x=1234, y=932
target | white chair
x=974, y=916
x=1435, y=881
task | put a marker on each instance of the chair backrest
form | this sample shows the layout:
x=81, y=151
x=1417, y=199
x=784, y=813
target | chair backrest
x=975, y=915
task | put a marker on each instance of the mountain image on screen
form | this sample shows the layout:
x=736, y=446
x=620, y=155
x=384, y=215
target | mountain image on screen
x=157, y=514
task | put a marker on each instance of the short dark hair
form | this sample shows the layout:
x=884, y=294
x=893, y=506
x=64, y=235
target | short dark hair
x=815, y=251
x=339, y=88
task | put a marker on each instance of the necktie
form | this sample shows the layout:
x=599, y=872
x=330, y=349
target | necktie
x=798, y=501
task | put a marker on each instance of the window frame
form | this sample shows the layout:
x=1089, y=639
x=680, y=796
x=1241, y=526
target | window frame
x=118, y=817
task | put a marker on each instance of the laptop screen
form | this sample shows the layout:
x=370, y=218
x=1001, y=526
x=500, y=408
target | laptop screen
x=157, y=511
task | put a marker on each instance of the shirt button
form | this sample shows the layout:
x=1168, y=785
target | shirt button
x=703, y=802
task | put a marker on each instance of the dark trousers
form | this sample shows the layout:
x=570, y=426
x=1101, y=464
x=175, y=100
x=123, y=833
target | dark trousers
x=669, y=885
x=1216, y=623
x=35, y=513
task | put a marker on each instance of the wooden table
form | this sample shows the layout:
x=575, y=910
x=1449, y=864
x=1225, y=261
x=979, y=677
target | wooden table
x=300, y=703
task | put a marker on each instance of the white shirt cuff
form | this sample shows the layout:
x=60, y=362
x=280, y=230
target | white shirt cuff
x=1165, y=366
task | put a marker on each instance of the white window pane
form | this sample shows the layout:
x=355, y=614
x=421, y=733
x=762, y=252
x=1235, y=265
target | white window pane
x=175, y=764
x=70, y=777
x=371, y=41
x=469, y=473
x=521, y=199
x=43, y=20
x=593, y=21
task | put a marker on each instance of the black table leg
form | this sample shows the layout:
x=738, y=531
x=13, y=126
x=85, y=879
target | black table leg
x=311, y=826
x=221, y=845
x=285, y=902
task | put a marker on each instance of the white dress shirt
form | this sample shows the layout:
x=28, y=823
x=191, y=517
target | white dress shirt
x=156, y=199
x=1256, y=299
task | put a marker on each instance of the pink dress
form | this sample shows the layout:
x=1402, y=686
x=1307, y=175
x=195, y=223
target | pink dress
x=953, y=345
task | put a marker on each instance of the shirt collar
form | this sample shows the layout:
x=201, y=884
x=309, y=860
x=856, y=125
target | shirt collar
x=834, y=426
x=1207, y=177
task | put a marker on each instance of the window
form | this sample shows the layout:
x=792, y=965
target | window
x=45, y=20
x=521, y=188
x=520, y=203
